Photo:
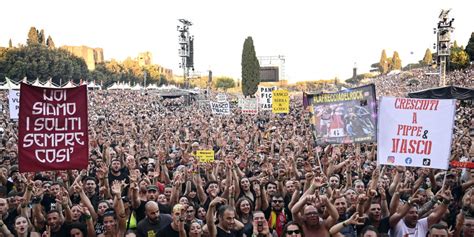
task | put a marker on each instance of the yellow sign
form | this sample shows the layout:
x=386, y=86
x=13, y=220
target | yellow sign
x=205, y=155
x=280, y=102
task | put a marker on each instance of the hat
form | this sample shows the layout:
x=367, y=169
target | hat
x=195, y=144
x=152, y=187
x=143, y=158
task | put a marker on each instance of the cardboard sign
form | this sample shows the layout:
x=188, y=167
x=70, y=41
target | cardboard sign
x=205, y=156
x=415, y=132
x=280, y=102
x=53, y=133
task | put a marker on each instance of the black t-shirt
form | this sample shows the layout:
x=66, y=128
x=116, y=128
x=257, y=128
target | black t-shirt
x=10, y=220
x=147, y=229
x=233, y=233
x=383, y=228
x=63, y=231
x=140, y=211
x=168, y=231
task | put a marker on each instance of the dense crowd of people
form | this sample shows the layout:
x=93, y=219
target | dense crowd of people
x=269, y=178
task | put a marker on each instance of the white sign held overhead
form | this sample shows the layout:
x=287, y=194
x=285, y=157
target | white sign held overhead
x=14, y=103
x=415, y=132
x=220, y=108
x=265, y=97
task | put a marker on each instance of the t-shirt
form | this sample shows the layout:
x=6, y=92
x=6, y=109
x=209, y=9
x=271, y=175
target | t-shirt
x=233, y=233
x=147, y=229
x=168, y=231
x=402, y=230
x=383, y=227
x=140, y=211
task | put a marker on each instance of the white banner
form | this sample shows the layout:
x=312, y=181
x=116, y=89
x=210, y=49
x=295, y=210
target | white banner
x=248, y=105
x=220, y=107
x=265, y=97
x=14, y=103
x=415, y=132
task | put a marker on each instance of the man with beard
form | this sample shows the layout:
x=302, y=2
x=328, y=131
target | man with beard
x=58, y=227
x=90, y=188
x=259, y=226
x=154, y=221
x=228, y=226
x=377, y=220
x=140, y=205
x=405, y=220
x=116, y=172
x=277, y=215
x=341, y=207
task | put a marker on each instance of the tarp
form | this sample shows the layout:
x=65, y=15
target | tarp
x=448, y=92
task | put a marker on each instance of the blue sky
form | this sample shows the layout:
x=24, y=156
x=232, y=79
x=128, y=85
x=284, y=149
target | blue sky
x=320, y=39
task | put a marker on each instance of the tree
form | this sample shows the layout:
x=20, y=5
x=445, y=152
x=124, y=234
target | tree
x=396, y=62
x=225, y=83
x=33, y=37
x=37, y=61
x=383, y=63
x=428, y=58
x=10, y=44
x=470, y=47
x=50, y=43
x=458, y=59
x=41, y=37
x=250, y=68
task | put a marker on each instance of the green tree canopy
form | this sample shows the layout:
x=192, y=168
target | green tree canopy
x=250, y=68
x=458, y=59
x=224, y=83
x=428, y=58
x=470, y=47
x=37, y=61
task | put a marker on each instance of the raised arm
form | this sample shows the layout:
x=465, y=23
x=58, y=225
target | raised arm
x=211, y=226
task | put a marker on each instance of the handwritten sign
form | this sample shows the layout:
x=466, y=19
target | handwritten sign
x=205, y=156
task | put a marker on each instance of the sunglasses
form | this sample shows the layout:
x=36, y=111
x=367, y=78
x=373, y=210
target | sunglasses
x=277, y=201
x=293, y=232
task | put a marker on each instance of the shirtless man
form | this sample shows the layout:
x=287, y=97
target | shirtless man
x=305, y=213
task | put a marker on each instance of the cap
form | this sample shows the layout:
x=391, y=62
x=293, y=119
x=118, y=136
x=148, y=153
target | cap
x=195, y=144
x=143, y=158
x=152, y=187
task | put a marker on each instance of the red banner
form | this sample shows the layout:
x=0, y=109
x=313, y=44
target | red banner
x=52, y=128
x=457, y=164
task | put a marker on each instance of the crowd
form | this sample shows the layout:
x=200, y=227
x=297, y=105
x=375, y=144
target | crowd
x=269, y=178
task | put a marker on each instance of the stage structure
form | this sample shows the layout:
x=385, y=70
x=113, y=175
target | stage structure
x=272, y=68
x=186, y=49
x=443, y=43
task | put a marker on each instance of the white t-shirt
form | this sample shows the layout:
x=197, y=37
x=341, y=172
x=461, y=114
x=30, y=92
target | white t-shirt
x=401, y=229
